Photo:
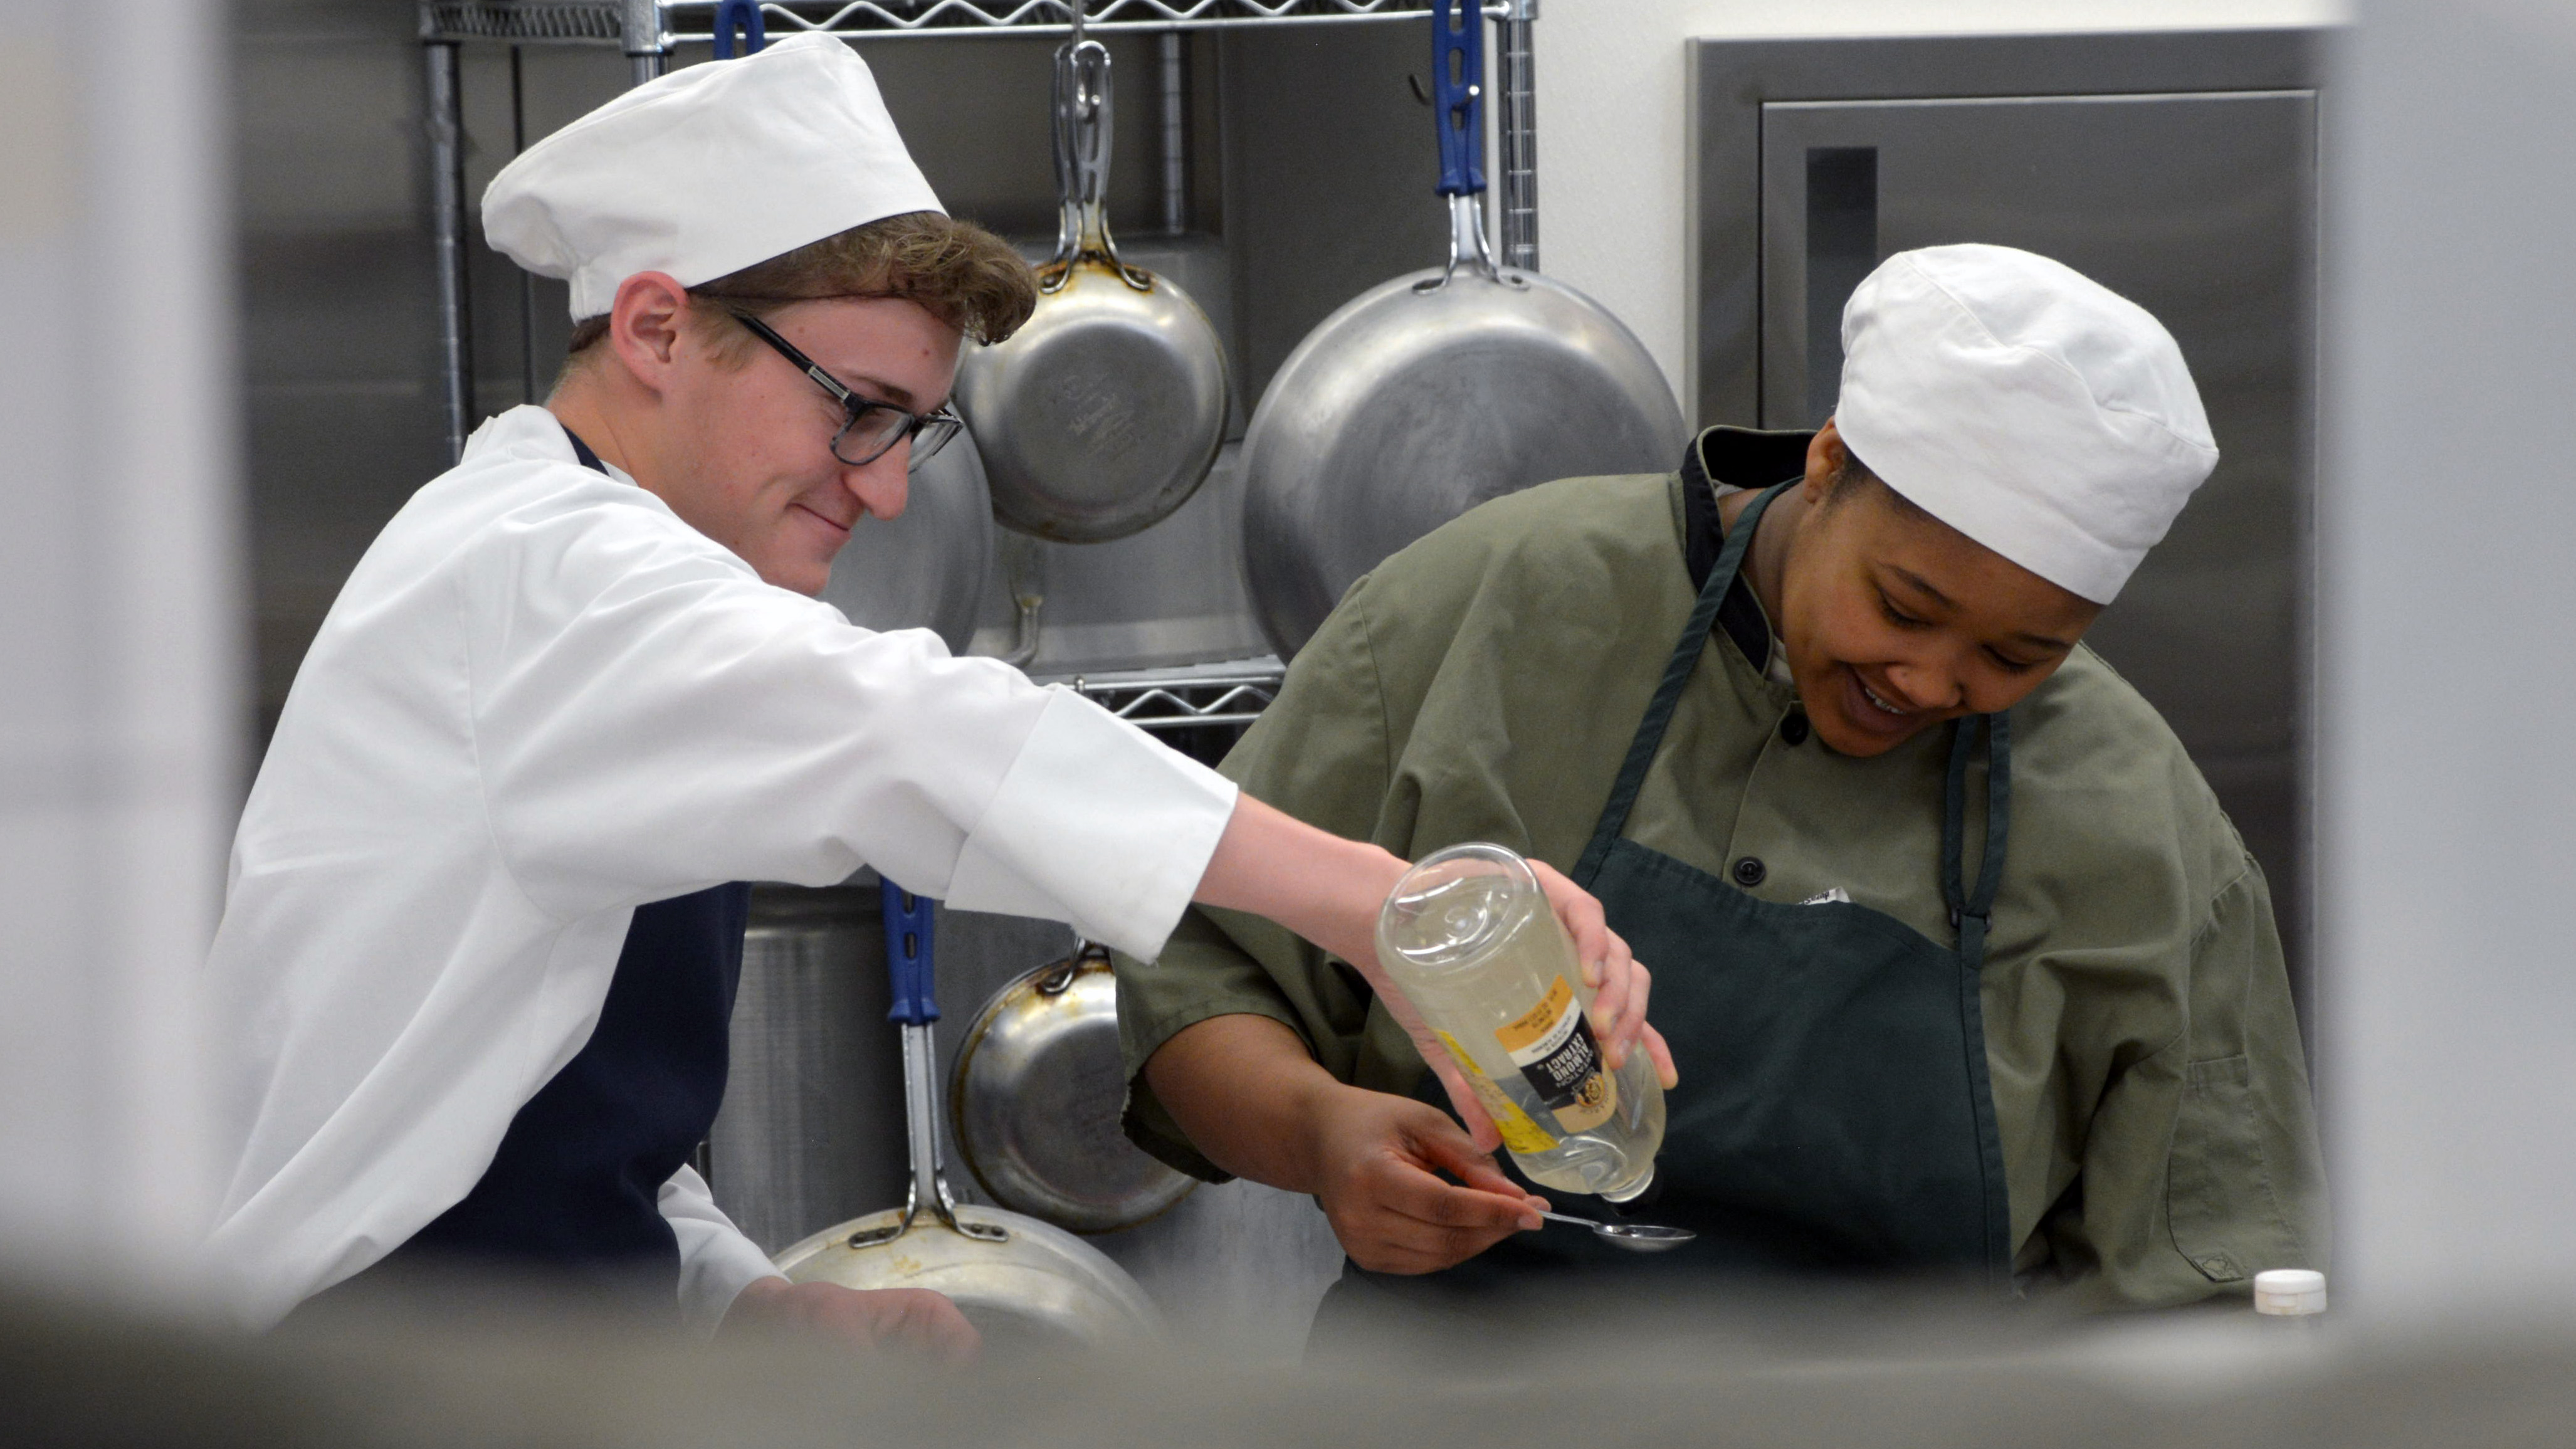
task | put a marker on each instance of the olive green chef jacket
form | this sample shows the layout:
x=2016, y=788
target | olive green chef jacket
x=1484, y=683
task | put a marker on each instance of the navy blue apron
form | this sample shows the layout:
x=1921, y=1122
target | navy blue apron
x=572, y=1195
x=1834, y=1113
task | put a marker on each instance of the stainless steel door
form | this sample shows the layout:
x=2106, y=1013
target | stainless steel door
x=2201, y=207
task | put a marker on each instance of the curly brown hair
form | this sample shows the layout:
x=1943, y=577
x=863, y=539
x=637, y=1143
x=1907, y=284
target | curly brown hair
x=958, y=272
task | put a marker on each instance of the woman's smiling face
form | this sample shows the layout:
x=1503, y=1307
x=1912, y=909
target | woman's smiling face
x=1894, y=622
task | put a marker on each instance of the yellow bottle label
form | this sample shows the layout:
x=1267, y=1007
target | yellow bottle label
x=1552, y=1045
x=1520, y=1134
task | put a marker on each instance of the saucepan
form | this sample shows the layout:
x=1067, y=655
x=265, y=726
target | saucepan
x=1038, y=1090
x=1104, y=412
x=1437, y=391
x=1019, y=1281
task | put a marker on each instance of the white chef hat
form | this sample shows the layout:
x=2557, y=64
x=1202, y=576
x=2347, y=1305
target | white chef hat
x=705, y=171
x=2025, y=405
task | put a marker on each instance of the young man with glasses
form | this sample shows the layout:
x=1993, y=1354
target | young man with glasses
x=478, y=951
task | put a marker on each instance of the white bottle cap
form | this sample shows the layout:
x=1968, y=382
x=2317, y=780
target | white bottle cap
x=2290, y=1291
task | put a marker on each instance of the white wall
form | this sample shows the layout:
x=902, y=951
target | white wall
x=1610, y=116
x=118, y=626
x=2447, y=680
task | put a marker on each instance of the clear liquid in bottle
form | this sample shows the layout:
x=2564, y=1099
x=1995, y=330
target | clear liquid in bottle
x=1469, y=936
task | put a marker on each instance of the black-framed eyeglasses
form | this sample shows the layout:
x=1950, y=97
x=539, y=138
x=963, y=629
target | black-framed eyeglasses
x=868, y=428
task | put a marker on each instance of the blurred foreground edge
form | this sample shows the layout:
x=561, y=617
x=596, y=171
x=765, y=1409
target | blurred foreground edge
x=507, y=1367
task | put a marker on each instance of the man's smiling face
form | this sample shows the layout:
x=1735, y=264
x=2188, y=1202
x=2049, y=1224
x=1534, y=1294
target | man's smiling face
x=759, y=476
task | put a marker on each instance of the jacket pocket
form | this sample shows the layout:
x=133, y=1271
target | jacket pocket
x=2225, y=1218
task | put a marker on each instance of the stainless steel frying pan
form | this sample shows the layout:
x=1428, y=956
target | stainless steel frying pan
x=1104, y=412
x=1038, y=1090
x=1018, y=1280
x=1437, y=391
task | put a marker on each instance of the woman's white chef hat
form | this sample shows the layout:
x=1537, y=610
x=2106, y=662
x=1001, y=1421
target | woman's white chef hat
x=705, y=171
x=2025, y=405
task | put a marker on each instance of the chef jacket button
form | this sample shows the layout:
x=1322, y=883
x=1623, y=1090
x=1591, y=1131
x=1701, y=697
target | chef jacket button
x=1750, y=871
x=1793, y=727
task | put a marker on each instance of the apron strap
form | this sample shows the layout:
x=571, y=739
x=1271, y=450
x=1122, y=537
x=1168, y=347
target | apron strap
x=581, y=452
x=1677, y=672
x=1970, y=913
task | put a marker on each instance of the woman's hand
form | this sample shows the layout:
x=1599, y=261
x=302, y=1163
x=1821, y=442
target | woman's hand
x=1250, y=1097
x=1379, y=1160
x=1619, y=983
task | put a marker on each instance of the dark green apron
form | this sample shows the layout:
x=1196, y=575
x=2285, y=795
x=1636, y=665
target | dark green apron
x=1834, y=1113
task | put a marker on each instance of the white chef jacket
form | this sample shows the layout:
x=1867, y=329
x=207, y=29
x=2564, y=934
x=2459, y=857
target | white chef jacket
x=541, y=701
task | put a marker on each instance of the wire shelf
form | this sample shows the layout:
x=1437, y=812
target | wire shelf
x=694, y=20
x=1231, y=694
x=682, y=22
x=523, y=22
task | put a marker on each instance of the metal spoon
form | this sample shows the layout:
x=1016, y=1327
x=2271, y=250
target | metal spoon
x=1635, y=1237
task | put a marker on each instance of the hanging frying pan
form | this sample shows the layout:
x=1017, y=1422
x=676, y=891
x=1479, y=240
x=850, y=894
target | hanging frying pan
x=1038, y=1090
x=1437, y=391
x=1016, y=1279
x=1103, y=413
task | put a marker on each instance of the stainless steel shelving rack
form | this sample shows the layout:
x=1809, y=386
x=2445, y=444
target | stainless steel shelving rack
x=647, y=31
x=1189, y=697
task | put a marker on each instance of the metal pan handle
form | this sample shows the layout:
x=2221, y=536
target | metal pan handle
x=1458, y=109
x=1063, y=120
x=1082, y=135
x=1080, y=119
x=908, y=956
x=1085, y=74
x=1458, y=94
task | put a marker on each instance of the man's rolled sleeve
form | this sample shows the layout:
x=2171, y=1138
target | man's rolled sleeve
x=1096, y=823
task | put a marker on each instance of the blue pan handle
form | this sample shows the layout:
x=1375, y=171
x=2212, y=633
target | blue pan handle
x=1458, y=94
x=744, y=16
x=908, y=956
